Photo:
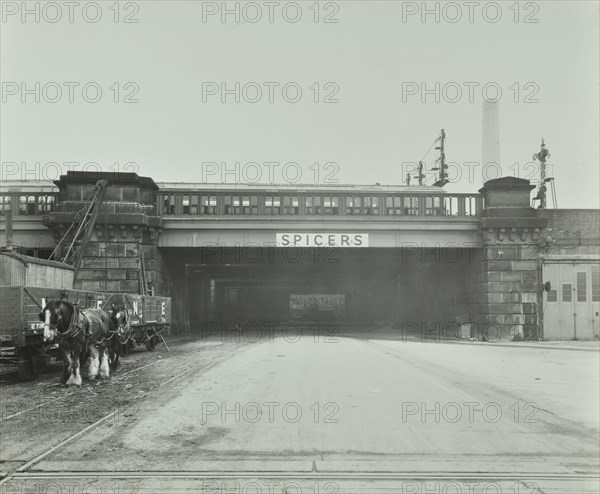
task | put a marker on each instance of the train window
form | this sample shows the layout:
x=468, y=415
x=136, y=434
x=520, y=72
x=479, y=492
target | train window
x=581, y=287
x=208, y=204
x=470, y=206
x=353, y=205
x=371, y=205
x=393, y=205
x=186, y=204
x=4, y=204
x=310, y=205
x=567, y=295
x=232, y=205
x=389, y=206
x=194, y=205
x=331, y=205
x=246, y=205
x=551, y=296
x=313, y=205
x=272, y=205
x=45, y=204
x=595, y=283
x=27, y=205
x=169, y=204
x=432, y=206
x=290, y=205
x=451, y=206
x=411, y=206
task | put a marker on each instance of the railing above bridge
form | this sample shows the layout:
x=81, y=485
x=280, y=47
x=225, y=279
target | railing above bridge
x=316, y=203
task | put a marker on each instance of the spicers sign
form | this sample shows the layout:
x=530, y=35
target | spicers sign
x=322, y=240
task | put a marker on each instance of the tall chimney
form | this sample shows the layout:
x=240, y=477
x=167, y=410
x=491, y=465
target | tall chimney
x=490, y=141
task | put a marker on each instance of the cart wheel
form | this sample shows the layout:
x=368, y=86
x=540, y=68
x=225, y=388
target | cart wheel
x=26, y=367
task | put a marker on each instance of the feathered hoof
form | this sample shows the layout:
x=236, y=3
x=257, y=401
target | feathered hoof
x=74, y=381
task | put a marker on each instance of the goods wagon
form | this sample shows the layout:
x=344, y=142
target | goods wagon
x=20, y=270
x=148, y=317
x=24, y=339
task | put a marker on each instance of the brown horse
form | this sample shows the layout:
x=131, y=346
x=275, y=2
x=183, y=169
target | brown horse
x=79, y=332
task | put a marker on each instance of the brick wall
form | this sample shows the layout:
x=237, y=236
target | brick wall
x=572, y=231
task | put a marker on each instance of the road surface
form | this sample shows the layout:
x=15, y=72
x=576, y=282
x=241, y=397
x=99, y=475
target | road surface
x=322, y=414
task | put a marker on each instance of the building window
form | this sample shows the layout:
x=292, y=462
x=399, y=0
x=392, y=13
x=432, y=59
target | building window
x=551, y=296
x=595, y=283
x=581, y=287
x=291, y=205
x=208, y=204
x=567, y=290
x=272, y=205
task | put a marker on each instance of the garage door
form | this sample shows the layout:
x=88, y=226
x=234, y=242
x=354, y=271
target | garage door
x=572, y=306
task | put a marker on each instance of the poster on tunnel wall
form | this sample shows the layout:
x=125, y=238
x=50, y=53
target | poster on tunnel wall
x=320, y=307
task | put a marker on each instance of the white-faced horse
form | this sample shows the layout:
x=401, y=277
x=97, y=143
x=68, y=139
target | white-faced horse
x=80, y=332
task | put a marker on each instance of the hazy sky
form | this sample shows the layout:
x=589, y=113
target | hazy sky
x=547, y=71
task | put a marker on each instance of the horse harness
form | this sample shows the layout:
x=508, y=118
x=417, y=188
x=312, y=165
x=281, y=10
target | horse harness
x=80, y=324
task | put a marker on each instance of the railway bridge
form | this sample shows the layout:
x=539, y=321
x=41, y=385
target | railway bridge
x=413, y=259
